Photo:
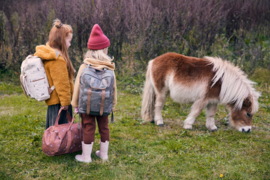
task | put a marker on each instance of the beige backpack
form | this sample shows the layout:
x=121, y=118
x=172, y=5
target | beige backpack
x=34, y=80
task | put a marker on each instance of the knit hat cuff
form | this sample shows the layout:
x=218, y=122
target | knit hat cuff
x=97, y=46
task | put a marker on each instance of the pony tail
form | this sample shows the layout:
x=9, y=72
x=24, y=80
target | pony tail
x=148, y=101
x=57, y=23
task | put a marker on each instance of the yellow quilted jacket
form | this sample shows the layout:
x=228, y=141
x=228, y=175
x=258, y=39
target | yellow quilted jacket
x=57, y=73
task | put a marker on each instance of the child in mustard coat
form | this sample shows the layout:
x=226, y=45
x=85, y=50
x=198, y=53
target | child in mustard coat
x=59, y=71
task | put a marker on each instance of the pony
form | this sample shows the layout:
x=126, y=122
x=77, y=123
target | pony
x=205, y=82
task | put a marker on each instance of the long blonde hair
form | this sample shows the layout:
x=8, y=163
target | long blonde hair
x=100, y=54
x=57, y=40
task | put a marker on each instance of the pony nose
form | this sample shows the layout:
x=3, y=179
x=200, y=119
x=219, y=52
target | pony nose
x=243, y=130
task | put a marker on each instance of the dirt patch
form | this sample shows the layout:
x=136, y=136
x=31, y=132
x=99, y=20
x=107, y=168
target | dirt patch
x=7, y=95
x=6, y=111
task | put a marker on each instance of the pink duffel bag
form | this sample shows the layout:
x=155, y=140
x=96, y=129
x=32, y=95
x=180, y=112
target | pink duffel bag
x=62, y=138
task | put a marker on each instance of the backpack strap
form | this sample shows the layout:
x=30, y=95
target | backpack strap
x=51, y=89
x=112, y=117
x=24, y=86
x=90, y=67
x=93, y=69
x=102, y=101
x=57, y=53
x=89, y=92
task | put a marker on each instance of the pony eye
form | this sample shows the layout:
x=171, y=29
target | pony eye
x=249, y=115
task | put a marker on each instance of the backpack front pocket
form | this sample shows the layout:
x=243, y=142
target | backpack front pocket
x=99, y=82
x=95, y=101
x=39, y=87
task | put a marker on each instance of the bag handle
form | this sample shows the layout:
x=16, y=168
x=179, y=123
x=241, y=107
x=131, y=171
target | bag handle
x=59, y=114
x=72, y=121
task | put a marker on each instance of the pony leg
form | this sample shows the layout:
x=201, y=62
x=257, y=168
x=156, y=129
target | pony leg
x=210, y=115
x=160, y=99
x=196, y=110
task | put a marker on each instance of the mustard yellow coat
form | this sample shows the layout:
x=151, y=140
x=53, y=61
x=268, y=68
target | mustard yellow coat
x=57, y=73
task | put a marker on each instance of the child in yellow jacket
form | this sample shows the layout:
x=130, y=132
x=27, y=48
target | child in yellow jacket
x=97, y=57
x=59, y=71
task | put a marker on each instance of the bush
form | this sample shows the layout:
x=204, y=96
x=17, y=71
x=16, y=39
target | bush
x=141, y=30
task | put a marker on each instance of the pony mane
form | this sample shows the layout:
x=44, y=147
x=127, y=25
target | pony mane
x=236, y=87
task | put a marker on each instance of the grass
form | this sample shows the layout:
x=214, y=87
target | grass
x=137, y=150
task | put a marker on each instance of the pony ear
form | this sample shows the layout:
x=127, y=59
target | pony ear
x=247, y=102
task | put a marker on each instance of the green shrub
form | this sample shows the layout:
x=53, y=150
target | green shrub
x=261, y=76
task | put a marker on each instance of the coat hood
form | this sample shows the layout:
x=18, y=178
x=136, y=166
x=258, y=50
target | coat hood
x=45, y=52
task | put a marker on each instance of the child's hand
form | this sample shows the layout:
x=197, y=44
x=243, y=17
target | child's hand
x=64, y=107
x=76, y=110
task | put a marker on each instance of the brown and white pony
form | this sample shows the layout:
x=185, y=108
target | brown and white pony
x=205, y=82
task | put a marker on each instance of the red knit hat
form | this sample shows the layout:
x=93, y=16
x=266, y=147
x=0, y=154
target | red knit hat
x=97, y=39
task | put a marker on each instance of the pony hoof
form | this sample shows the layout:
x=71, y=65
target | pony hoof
x=161, y=125
x=153, y=121
x=214, y=128
x=187, y=126
x=159, y=122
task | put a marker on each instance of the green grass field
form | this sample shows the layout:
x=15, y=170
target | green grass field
x=137, y=150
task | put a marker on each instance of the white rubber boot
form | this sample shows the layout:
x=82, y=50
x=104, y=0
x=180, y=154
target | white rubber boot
x=86, y=153
x=103, y=152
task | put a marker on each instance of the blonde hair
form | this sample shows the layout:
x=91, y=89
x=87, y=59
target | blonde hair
x=57, y=40
x=236, y=87
x=98, y=54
